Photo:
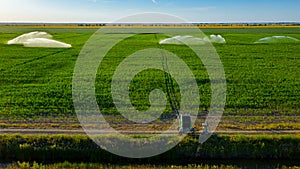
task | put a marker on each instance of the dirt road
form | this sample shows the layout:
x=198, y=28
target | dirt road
x=95, y=132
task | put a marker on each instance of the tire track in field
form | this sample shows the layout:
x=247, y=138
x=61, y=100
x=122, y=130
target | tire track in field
x=31, y=60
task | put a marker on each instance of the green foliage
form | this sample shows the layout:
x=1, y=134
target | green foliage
x=62, y=148
x=37, y=81
x=67, y=165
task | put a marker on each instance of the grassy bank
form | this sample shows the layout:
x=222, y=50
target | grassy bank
x=67, y=165
x=62, y=148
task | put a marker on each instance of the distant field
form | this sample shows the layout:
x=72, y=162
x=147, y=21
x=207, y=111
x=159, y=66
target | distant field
x=95, y=25
x=263, y=79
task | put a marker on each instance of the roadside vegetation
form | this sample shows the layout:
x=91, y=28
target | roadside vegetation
x=67, y=165
x=80, y=148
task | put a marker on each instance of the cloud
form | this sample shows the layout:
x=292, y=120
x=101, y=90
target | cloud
x=196, y=9
x=154, y=1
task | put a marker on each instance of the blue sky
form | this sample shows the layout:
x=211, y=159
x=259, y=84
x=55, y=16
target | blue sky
x=110, y=10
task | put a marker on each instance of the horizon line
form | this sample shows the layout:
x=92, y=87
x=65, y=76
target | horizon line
x=69, y=23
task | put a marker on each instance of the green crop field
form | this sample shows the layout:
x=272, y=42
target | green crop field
x=263, y=80
x=263, y=93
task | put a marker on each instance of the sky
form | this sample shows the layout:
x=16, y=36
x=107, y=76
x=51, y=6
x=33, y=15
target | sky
x=75, y=11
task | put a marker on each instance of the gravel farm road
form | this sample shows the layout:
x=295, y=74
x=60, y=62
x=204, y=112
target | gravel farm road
x=82, y=132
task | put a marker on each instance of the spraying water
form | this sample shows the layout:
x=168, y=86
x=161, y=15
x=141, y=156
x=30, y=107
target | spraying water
x=277, y=39
x=190, y=40
x=38, y=39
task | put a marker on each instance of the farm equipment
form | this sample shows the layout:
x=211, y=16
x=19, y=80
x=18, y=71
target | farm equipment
x=185, y=120
x=185, y=123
